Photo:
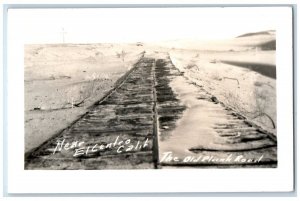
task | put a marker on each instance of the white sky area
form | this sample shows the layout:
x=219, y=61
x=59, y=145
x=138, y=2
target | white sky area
x=137, y=24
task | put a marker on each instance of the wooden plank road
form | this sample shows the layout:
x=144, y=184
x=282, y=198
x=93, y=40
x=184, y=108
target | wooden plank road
x=136, y=124
x=198, y=130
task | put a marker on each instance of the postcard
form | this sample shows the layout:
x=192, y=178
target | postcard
x=153, y=89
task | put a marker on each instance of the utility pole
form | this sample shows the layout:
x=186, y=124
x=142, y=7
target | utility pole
x=63, y=32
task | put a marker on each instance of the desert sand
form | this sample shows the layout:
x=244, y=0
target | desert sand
x=63, y=80
x=249, y=86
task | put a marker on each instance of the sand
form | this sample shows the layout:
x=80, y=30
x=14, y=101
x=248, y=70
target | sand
x=245, y=90
x=59, y=76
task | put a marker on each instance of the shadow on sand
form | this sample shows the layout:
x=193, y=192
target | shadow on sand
x=268, y=70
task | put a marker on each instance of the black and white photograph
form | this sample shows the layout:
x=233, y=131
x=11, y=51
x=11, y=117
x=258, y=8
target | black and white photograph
x=149, y=99
x=150, y=89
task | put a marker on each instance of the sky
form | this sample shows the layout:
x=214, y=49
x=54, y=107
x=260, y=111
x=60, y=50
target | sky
x=142, y=24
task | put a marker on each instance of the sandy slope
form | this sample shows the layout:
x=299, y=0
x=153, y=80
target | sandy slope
x=249, y=92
